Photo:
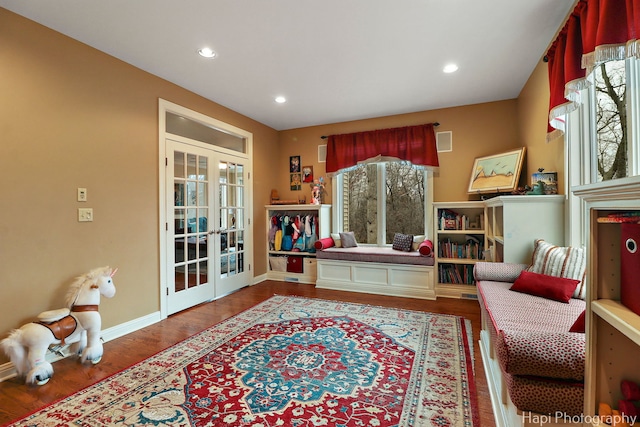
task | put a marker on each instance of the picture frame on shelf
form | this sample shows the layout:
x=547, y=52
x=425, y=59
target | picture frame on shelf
x=496, y=173
x=549, y=179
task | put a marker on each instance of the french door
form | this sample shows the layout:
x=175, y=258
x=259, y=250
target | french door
x=207, y=224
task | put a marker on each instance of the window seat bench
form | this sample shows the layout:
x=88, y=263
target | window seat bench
x=376, y=270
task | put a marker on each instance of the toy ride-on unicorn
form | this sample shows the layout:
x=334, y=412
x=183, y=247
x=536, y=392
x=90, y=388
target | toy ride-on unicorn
x=79, y=325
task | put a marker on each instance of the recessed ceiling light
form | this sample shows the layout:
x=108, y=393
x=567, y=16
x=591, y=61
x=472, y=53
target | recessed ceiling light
x=281, y=99
x=450, y=68
x=207, y=52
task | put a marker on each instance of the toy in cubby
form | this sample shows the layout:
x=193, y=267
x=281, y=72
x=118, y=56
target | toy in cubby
x=627, y=413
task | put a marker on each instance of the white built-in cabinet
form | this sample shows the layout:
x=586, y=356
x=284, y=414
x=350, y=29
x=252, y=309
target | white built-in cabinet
x=278, y=259
x=515, y=222
x=613, y=330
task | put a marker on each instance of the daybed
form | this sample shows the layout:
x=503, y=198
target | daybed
x=534, y=364
x=376, y=270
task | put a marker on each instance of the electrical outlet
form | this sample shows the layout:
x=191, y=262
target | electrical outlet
x=82, y=194
x=85, y=214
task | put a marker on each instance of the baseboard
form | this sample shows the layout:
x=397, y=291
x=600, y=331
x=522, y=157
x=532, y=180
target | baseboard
x=260, y=278
x=7, y=370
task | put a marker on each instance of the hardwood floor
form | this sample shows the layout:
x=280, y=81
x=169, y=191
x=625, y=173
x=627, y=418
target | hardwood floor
x=18, y=399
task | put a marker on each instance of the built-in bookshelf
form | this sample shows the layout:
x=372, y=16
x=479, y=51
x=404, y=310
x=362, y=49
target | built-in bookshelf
x=612, y=328
x=459, y=243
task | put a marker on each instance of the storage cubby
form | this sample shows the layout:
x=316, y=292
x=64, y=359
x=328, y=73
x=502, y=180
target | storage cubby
x=298, y=262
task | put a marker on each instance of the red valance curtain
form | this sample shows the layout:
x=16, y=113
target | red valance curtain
x=415, y=144
x=597, y=31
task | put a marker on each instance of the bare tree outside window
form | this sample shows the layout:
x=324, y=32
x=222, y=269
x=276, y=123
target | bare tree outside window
x=611, y=121
x=360, y=201
x=405, y=200
x=404, y=193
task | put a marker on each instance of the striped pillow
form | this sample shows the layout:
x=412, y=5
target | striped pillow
x=568, y=262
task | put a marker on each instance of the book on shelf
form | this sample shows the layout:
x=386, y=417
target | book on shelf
x=459, y=275
x=619, y=219
x=451, y=220
x=471, y=249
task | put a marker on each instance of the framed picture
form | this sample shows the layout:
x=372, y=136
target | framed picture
x=307, y=174
x=550, y=180
x=294, y=164
x=497, y=173
x=295, y=182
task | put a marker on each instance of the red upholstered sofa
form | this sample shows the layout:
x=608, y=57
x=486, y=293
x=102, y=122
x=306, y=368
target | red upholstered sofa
x=533, y=362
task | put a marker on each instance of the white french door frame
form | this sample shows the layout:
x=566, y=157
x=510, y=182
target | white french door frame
x=165, y=106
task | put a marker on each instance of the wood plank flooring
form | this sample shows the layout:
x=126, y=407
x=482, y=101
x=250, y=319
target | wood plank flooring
x=18, y=399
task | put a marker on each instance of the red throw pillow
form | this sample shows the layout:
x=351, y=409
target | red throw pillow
x=541, y=285
x=578, y=325
x=325, y=243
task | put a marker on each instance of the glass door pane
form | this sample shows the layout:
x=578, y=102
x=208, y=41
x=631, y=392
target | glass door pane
x=192, y=282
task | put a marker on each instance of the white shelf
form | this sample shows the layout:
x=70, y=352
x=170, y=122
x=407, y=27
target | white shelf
x=620, y=317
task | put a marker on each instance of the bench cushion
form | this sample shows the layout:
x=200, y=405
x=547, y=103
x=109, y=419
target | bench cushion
x=531, y=334
x=378, y=254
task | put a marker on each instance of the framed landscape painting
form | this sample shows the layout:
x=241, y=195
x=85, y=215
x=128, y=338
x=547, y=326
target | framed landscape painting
x=497, y=173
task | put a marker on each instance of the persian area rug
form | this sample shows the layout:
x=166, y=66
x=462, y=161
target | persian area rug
x=293, y=361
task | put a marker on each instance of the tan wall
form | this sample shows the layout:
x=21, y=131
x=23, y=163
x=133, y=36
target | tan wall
x=533, y=113
x=71, y=116
x=478, y=130
x=75, y=117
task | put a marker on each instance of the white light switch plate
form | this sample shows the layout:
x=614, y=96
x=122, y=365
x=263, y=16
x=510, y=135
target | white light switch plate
x=85, y=214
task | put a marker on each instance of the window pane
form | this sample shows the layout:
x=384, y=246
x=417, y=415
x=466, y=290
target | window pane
x=611, y=123
x=404, y=200
x=360, y=197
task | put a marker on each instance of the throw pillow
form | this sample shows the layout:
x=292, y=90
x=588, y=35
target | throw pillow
x=426, y=248
x=348, y=240
x=542, y=285
x=336, y=240
x=416, y=241
x=402, y=242
x=578, y=325
x=566, y=262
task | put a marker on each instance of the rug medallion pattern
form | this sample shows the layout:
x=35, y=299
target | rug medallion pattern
x=293, y=361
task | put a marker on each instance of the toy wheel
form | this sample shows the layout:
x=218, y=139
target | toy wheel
x=96, y=360
x=43, y=381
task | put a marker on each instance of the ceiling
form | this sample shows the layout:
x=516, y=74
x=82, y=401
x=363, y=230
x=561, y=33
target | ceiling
x=333, y=60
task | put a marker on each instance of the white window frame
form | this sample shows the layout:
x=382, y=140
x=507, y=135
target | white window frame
x=337, y=201
x=580, y=149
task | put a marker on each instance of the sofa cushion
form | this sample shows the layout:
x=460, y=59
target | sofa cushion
x=402, y=242
x=517, y=319
x=542, y=285
x=578, y=325
x=348, y=240
x=566, y=262
x=549, y=354
x=426, y=248
x=385, y=255
x=497, y=271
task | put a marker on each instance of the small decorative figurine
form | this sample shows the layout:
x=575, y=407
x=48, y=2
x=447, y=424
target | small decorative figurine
x=317, y=191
